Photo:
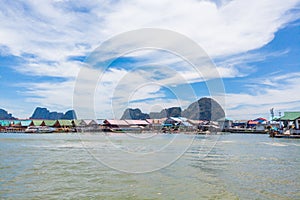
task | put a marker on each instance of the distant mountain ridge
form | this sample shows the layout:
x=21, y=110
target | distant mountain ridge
x=44, y=113
x=203, y=109
x=5, y=115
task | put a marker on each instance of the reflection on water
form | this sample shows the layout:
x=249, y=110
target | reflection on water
x=235, y=167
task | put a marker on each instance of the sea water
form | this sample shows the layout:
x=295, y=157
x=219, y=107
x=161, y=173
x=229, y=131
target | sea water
x=162, y=166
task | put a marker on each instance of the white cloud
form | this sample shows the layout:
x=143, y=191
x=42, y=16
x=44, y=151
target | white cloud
x=55, y=96
x=278, y=91
x=61, y=69
x=54, y=31
x=236, y=27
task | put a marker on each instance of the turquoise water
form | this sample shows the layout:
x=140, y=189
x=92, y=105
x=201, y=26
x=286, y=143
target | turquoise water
x=96, y=166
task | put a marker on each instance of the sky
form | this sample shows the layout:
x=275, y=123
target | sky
x=254, y=46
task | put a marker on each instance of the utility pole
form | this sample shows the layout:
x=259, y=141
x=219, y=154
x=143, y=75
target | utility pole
x=272, y=114
x=279, y=119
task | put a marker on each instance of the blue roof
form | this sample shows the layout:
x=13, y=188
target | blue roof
x=17, y=122
x=5, y=122
x=167, y=124
x=26, y=122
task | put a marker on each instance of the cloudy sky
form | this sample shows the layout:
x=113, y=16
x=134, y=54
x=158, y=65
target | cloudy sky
x=254, y=46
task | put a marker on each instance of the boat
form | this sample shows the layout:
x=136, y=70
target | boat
x=287, y=136
x=46, y=129
x=245, y=130
x=31, y=129
x=39, y=129
x=276, y=133
x=124, y=130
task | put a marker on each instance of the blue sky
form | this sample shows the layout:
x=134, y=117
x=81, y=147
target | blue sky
x=254, y=46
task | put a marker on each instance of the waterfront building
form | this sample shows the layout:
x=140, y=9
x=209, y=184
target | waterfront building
x=25, y=123
x=141, y=123
x=240, y=123
x=37, y=123
x=52, y=123
x=64, y=123
x=115, y=123
x=225, y=123
x=4, y=123
x=90, y=122
x=79, y=123
x=291, y=120
x=156, y=124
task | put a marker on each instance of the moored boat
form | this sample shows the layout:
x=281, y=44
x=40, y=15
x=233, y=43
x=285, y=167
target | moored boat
x=275, y=133
x=39, y=129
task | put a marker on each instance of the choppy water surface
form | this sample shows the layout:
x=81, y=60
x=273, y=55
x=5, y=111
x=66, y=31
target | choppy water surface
x=64, y=166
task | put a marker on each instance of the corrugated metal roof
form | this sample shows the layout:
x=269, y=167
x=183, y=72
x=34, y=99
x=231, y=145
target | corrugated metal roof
x=100, y=121
x=17, y=122
x=290, y=116
x=183, y=119
x=150, y=121
x=177, y=119
x=253, y=122
x=37, y=122
x=26, y=122
x=194, y=122
x=5, y=122
x=240, y=121
x=137, y=122
x=50, y=122
x=116, y=122
x=79, y=122
x=156, y=121
x=90, y=122
x=65, y=122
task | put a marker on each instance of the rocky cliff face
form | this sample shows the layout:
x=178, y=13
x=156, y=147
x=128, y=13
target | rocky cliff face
x=169, y=112
x=135, y=114
x=5, y=115
x=70, y=114
x=204, y=109
x=44, y=113
x=158, y=115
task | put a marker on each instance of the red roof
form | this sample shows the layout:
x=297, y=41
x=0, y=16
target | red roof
x=116, y=122
x=253, y=122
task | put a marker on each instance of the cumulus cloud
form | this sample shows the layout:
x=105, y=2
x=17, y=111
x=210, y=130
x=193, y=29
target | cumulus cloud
x=55, y=31
x=278, y=91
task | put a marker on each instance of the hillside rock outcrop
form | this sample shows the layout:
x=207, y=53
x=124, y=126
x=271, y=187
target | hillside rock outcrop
x=134, y=114
x=44, y=113
x=5, y=115
x=204, y=109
